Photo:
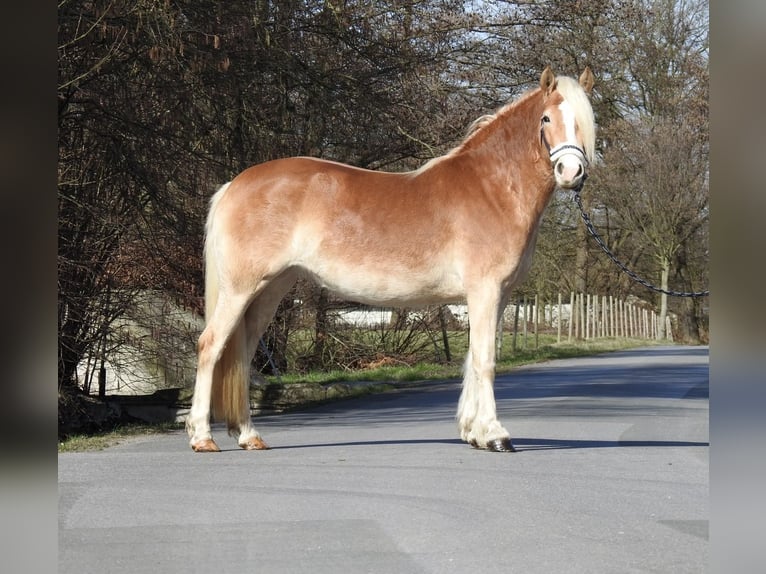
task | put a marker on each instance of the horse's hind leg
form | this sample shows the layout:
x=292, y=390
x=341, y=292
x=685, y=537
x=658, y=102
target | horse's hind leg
x=210, y=348
x=477, y=410
x=257, y=318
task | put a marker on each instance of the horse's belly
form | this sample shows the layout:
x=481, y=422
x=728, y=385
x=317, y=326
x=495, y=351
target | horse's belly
x=376, y=285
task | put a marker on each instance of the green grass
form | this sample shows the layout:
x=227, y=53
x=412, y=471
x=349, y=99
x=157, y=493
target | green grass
x=547, y=349
x=100, y=441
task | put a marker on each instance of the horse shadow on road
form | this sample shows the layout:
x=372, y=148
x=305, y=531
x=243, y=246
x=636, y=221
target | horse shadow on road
x=521, y=444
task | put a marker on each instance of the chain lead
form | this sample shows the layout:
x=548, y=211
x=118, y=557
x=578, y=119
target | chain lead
x=620, y=264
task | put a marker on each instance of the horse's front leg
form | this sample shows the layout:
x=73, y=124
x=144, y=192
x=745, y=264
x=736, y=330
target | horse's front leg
x=477, y=411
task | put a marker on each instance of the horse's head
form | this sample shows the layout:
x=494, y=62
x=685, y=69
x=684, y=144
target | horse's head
x=567, y=127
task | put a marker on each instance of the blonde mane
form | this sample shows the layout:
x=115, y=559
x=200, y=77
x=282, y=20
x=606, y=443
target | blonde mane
x=578, y=99
x=571, y=90
x=482, y=122
x=479, y=123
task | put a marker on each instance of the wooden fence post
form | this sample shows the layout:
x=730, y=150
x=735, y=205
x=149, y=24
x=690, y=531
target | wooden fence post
x=525, y=318
x=624, y=318
x=634, y=319
x=499, y=336
x=598, y=316
x=621, y=314
x=537, y=321
x=571, y=315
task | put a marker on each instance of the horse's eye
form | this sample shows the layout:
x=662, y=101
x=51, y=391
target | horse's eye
x=545, y=120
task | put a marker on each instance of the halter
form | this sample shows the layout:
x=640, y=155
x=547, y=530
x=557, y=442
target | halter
x=563, y=149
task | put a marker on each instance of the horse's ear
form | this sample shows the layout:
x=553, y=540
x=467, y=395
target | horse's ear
x=587, y=80
x=547, y=80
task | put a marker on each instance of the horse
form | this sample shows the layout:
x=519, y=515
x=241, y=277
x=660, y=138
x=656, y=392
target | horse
x=462, y=227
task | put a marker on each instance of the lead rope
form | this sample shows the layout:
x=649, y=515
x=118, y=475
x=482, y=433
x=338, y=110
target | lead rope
x=620, y=264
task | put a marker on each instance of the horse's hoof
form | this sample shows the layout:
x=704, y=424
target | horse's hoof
x=500, y=445
x=205, y=445
x=254, y=443
x=497, y=445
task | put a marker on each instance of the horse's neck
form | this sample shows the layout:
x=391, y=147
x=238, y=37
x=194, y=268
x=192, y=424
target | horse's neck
x=507, y=158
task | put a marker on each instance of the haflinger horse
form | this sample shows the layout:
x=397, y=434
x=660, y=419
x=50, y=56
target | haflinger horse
x=461, y=228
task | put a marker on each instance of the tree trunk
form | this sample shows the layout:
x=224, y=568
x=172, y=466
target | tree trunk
x=690, y=326
x=320, y=327
x=580, y=284
x=271, y=352
x=664, y=273
x=445, y=335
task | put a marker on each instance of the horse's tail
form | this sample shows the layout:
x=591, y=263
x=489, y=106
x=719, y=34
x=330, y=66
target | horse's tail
x=230, y=401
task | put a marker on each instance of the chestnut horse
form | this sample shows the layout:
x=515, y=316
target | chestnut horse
x=460, y=228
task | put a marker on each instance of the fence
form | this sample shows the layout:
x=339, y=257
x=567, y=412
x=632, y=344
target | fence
x=155, y=347
x=586, y=316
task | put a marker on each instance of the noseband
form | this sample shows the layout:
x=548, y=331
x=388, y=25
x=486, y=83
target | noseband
x=563, y=149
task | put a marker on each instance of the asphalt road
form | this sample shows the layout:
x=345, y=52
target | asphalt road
x=611, y=476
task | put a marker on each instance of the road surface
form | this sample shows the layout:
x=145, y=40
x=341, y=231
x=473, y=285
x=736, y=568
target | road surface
x=611, y=476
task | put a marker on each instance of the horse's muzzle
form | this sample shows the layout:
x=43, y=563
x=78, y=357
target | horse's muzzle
x=569, y=163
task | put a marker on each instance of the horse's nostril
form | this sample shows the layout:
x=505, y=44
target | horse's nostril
x=563, y=170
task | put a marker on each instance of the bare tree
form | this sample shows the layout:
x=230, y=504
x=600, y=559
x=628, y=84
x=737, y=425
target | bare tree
x=650, y=58
x=160, y=103
x=662, y=172
x=656, y=175
x=126, y=141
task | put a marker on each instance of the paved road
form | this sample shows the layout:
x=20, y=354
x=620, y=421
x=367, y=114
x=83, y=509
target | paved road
x=611, y=476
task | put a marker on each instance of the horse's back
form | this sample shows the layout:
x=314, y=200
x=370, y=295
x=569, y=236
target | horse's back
x=349, y=203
